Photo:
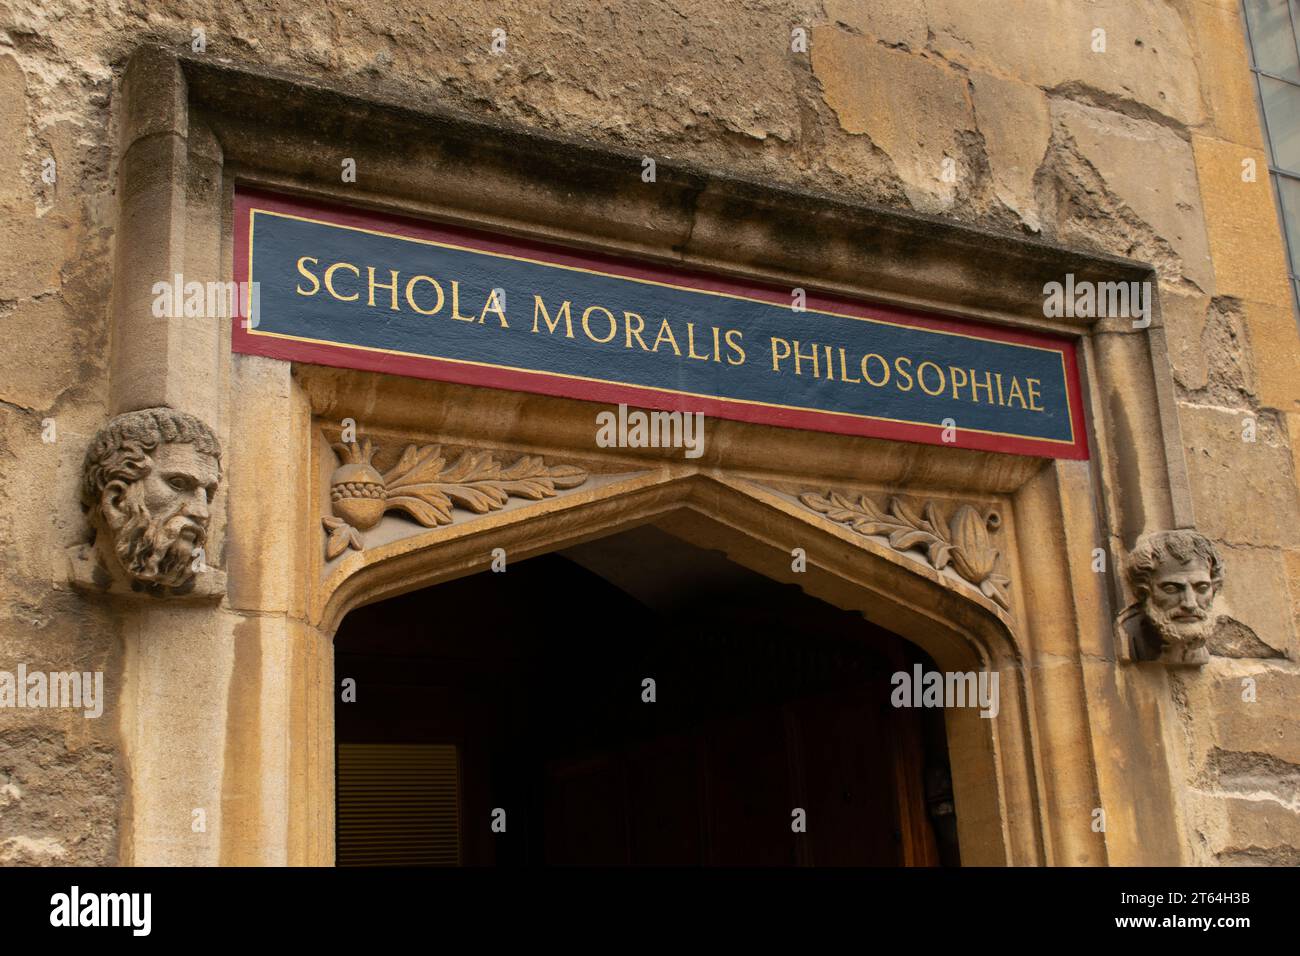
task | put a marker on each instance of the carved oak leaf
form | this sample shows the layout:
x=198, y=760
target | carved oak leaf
x=427, y=488
x=902, y=526
x=342, y=536
x=964, y=543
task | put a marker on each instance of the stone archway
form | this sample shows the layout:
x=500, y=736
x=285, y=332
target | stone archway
x=757, y=527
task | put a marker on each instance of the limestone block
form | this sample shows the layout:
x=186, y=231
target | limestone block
x=1016, y=124
x=1152, y=170
x=891, y=22
x=35, y=252
x=1184, y=319
x=1292, y=559
x=43, y=354
x=1276, y=352
x=1244, y=492
x=14, y=186
x=1148, y=59
x=1266, y=725
x=1224, y=67
x=1259, y=824
x=1245, y=237
x=1255, y=593
x=915, y=109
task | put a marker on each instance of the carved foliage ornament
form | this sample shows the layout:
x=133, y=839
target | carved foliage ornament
x=961, y=543
x=425, y=486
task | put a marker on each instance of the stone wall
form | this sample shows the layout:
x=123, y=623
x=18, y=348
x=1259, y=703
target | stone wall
x=1136, y=150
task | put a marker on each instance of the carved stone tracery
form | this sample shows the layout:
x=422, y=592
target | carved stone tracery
x=961, y=543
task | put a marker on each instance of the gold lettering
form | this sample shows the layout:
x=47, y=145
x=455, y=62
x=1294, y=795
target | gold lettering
x=998, y=376
x=410, y=299
x=455, y=303
x=690, y=343
x=493, y=304
x=586, y=323
x=1015, y=393
x=975, y=386
x=812, y=357
x=373, y=285
x=952, y=377
x=315, y=283
x=1034, y=396
x=776, y=359
x=844, y=370
x=666, y=332
x=884, y=366
x=329, y=281
x=898, y=367
x=631, y=333
x=734, y=346
x=920, y=378
x=539, y=310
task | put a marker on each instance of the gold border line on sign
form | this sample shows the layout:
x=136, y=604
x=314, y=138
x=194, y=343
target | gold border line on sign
x=253, y=211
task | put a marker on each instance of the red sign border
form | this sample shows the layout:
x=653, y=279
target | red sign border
x=249, y=342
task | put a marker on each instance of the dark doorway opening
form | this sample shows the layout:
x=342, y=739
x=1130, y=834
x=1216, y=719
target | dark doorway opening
x=503, y=719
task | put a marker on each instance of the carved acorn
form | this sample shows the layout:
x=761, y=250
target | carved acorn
x=972, y=555
x=356, y=488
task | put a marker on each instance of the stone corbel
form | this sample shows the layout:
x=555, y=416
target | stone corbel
x=428, y=484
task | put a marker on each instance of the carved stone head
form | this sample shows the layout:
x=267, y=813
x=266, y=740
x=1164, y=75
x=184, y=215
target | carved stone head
x=147, y=484
x=1176, y=575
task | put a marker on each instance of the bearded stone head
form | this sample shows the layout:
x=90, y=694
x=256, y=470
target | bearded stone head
x=147, y=484
x=1176, y=575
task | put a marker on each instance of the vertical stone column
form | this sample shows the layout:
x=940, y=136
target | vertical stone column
x=180, y=652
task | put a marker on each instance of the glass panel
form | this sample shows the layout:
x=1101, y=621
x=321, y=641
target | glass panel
x=1282, y=110
x=1272, y=38
x=1289, y=190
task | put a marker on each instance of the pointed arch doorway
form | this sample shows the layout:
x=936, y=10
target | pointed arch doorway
x=635, y=699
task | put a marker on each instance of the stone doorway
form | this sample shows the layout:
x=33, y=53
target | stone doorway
x=520, y=699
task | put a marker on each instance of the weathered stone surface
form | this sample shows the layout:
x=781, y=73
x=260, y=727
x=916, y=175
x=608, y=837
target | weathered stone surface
x=1244, y=491
x=915, y=109
x=1147, y=66
x=1016, y=124
x=1185, y=321
x=59, y=797
x=36, y=250
x=1261, y=831
x=13, y=132
x=1275, y=353
x=1151, y=169
x=1254, y=592
x=43, y=354
x=894, y=23
x=1266, y=725
x=1211, y=350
